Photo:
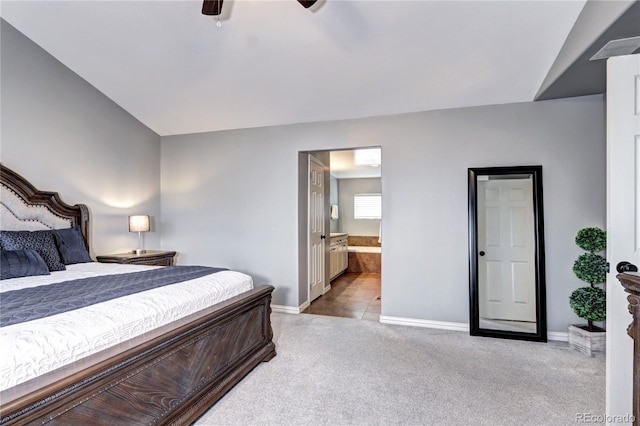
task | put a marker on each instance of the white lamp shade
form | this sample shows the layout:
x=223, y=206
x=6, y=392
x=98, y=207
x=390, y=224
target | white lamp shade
x=139, y=223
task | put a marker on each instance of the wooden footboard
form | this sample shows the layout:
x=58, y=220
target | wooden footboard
x=168, y=376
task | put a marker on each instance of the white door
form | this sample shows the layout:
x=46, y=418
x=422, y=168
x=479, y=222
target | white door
x=316, y=229
x=506, y=268
x=623, y=220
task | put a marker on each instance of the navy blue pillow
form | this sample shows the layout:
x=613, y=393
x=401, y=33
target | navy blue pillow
x=21, y=263
x=40, y=241
x=71, y=245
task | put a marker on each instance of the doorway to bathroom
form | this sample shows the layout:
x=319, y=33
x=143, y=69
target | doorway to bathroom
x=353, y=249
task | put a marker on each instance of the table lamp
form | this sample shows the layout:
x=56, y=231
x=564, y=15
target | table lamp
x=139, y=224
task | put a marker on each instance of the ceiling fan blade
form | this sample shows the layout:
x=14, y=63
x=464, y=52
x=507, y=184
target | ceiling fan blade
x=307, y=3
x=212, y=7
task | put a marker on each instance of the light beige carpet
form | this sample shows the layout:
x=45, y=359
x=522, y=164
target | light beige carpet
x=339, y=371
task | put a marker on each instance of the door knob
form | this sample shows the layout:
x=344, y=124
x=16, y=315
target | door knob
x=481, y=253
x=322, y=237
x=626, y=267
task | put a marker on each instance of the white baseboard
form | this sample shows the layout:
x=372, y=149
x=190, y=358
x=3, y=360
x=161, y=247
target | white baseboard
x=558, y=336
x=442, y=325
x=455, y=326
x=289, y=309
x=285, y=309
x=413, y=322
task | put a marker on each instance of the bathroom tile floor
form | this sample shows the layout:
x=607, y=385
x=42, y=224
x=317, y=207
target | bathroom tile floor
x=352, y=295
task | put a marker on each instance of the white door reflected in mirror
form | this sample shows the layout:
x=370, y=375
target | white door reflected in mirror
x=506, y=262
x=506, y=253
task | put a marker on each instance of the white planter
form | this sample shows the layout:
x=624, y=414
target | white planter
x=590, y=343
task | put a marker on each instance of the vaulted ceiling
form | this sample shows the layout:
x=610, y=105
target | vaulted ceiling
x=274, y=62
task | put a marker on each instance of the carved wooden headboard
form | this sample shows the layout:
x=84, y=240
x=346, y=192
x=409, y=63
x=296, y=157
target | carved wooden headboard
x=23, y=207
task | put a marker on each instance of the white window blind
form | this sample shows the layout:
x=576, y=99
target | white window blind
x=367, y=206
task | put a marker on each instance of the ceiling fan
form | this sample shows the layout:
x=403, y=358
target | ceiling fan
x=214, y=7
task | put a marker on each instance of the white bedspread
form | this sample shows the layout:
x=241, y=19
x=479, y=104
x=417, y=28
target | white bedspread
x=37, y=347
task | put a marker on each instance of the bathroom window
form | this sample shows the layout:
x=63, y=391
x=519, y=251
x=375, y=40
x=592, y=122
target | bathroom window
x=367, y=206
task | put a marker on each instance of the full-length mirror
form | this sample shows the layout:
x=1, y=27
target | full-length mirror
x=506, y=253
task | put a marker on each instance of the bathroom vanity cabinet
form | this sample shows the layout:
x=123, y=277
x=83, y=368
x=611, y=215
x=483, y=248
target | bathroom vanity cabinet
x=338, y=254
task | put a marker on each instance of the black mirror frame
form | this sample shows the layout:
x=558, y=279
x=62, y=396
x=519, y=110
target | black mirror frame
x=541, y=307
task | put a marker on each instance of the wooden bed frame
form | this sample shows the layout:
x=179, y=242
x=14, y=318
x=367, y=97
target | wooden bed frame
x=168, y=376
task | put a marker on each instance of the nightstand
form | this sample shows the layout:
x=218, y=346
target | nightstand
x=150, y=257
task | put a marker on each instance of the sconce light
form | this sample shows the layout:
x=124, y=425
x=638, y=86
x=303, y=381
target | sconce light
x=139, y=224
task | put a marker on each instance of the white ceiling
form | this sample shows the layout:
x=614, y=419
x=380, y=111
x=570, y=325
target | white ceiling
x=344, y=164
x=274, y=62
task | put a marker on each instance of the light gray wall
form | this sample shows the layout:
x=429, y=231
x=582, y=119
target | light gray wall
x=231, y=198
x=347, y=188
x=63, y=135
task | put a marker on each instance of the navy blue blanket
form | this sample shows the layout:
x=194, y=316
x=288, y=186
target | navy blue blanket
x=39, y=302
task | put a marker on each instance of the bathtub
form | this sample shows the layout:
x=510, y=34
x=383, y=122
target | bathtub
x=364, y=249
x=364, y=259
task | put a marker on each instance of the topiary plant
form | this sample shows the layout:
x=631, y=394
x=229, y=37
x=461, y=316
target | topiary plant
x=591, y=239
x=591, y=268
x=590, y=302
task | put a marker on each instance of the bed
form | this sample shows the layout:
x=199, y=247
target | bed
x=167, y=373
